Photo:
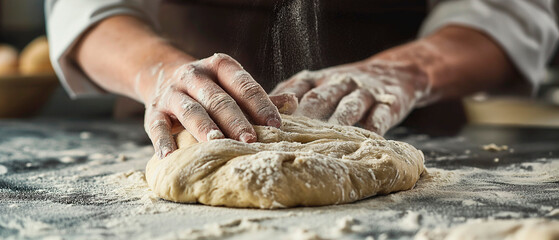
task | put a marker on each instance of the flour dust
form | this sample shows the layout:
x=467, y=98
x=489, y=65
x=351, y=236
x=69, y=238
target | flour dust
x=295, y=37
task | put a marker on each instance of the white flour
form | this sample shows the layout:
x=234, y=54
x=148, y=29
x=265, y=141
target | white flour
x=437, y=184
x=98, y=196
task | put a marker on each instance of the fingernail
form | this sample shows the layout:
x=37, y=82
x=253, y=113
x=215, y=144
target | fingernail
x=247, y=137
x=273, y=122
x=163, y=152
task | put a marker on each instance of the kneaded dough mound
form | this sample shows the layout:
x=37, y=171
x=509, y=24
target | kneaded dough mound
x=305, y=163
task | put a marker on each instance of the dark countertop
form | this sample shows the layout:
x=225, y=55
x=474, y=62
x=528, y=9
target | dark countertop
x=66, y=178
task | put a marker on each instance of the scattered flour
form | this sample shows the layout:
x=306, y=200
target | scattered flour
x=67, y=159
x=304, y=234
x=411, y=221
x=346, y=225
x=470, y=202
x=91, y=201
x=121, y=158
x=494, y=147
x=100, y=156
x=27, y=227
x=3, y=170
x=219, y=231
x=500, y=229
x=553, y=213
x=506, y=215
x=85, y=135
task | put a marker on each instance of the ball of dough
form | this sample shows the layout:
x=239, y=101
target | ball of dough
x=8, y=60
x=35, y=59
x=304, y=163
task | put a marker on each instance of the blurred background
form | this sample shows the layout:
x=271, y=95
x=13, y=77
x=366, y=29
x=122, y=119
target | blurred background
x=22, y=21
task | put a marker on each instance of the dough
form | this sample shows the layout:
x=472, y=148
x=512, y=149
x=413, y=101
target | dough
x=306, y=163
x=8, y=60
x=34, y=58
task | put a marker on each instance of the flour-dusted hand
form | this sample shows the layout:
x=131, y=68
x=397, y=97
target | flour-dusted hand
x=378, y=94
x=209, y=97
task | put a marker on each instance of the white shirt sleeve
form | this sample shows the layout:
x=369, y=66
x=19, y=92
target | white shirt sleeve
x=67, y=20
x=525, y=29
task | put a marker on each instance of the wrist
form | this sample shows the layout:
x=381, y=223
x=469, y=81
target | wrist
x=159, y=64
x=461, y=61
x=414, y=66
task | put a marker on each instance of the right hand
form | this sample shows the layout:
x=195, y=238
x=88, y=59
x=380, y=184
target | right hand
x=209, y=98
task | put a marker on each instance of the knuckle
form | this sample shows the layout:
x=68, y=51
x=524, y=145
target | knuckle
x=250, y=90
x=174, y=87
x=314, y=94
x=190, y=108
x=295, y=82
x=303, y=74
x=155, y=127
x=242, y=76
x=219, y=102
x=190, y=72
x=221, y=58
x=356, y=97
x=306, y=76
x=205, y=126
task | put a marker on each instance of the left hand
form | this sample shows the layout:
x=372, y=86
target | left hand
x=377, y=94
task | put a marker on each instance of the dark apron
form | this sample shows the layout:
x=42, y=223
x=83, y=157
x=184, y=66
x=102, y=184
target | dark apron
x=264, y=37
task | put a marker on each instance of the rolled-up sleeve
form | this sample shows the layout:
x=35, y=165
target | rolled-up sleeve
x=67, y=20
x=525, y=29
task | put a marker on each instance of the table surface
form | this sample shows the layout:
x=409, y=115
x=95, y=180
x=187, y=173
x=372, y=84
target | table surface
x=83, y=179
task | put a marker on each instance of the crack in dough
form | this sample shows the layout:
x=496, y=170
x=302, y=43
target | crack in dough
x=304, y=163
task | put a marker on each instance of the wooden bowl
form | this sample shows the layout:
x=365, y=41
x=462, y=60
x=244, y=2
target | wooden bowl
x=22, y=96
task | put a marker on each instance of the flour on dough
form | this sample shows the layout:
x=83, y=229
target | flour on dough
x=304, y=163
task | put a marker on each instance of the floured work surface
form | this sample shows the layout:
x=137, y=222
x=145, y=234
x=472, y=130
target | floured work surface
x=304, y=163
x=86, y=180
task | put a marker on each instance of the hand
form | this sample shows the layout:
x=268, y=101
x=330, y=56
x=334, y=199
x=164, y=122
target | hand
x=209, y=98
x=377, y=94
x=451, y=63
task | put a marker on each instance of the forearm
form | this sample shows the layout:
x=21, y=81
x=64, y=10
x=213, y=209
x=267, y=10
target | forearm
x=117, y=51
x=457, y=60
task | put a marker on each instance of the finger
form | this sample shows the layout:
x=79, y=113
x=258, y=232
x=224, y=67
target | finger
x=221, y=107
x=352, y=108
x=194, y=118
x=286, y=102
x=380, y=119
x=297, y=87
x=158, y=128
x=299, y=84
x=321, y=101
x=250, y=96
